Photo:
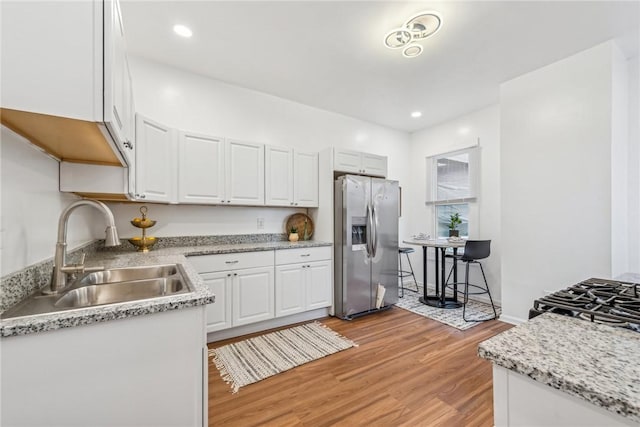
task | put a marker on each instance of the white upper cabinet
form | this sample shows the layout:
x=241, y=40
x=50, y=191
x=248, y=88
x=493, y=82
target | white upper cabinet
x=67, y=60
x=52, y=58
x=278, y=176
x=305, y=179
x=201, y=167
x=360, y=163
x=244, y=175
x=291, y=177
x=156, y=161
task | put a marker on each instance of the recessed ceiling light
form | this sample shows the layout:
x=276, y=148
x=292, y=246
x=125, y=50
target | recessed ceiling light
x=183, y=31
x=416, y=114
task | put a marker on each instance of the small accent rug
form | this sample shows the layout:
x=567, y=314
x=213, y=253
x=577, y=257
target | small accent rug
x=449, y=316
x=254, y=359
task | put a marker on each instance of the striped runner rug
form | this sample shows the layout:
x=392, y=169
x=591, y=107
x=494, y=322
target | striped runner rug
x=254, y=359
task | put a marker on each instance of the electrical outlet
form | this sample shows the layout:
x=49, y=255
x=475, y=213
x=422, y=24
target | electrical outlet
x=260, y=223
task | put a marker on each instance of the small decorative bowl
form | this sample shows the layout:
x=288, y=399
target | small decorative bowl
x=143, y=222
x=143, y=245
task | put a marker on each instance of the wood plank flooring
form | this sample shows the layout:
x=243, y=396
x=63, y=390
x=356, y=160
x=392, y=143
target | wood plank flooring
x=408, y=370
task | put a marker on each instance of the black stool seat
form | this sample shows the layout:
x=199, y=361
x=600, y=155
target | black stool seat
x=406, y=250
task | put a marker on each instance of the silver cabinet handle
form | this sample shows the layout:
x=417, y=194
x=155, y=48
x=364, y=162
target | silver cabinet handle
x=228, y=274
x=140, y=196
x=305, y=255
x=231, y=262
x=235, y=274
x=128, y=144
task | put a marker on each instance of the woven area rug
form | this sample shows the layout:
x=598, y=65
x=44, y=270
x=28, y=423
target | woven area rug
x=249, y=361
x=452, y=316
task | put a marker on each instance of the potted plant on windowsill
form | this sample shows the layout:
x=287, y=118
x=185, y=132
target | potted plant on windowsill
x=293, y=234
x=454, y=222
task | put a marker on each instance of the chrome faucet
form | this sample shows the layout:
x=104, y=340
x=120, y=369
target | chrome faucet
x=60, y=268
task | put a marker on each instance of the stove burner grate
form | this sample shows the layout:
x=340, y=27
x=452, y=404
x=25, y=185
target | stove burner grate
x=597, y=300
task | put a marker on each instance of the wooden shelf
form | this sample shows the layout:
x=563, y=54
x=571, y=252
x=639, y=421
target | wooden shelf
x=67, y=139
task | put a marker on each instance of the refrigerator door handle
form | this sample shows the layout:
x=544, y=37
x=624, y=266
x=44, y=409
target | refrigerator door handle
x=369, y=232
x=374, y=231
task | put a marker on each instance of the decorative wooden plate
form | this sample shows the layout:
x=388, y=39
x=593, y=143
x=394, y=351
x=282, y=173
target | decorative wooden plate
x=298, y=221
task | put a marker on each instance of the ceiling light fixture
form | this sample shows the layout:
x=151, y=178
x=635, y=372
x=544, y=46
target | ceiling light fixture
x=417, y=28
x=416, y=114
x=182, y=30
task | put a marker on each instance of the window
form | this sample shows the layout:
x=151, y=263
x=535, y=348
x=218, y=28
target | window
x=443, y=216
x=451, y=185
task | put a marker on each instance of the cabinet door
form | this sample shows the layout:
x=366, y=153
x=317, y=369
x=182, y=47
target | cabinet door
x=115, y=73
x=252, y=293
x=347, y=161
x=155, y=161
x=245, y=173
x=219, y=313
x=200, y=168
x=318, y=281
x=290, y=289
x=305, y=181
x=279, y=176
x=374, y=165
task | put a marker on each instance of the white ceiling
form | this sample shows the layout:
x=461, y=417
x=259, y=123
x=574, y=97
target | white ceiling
x=330, y=55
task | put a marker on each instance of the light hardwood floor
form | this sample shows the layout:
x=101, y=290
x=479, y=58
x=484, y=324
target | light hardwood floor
x=408, y=370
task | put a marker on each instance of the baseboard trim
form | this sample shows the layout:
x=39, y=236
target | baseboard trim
x=511, y=319
x=267, y=324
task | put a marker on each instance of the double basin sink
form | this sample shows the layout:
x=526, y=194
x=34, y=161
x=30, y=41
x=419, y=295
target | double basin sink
x=104, y=287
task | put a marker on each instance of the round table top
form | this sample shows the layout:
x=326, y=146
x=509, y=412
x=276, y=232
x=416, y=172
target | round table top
x=435, y=243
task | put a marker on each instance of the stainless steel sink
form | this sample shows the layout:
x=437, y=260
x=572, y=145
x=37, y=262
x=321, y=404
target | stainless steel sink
x=129, y=274
x=107, y=287
x=109, y=293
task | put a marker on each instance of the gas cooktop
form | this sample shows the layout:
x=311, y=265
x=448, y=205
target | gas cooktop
x=610, y=302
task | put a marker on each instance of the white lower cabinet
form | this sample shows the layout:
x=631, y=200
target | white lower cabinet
x=290, y=289
x=252, y=294
x=219, y=313
x=146, y=370
x=302, y=287
x=252, y=287
x=243, y=285
x=318, y=284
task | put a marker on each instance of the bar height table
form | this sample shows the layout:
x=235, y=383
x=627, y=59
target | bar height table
x=440, y=246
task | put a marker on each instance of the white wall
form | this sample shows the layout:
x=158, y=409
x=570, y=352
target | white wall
x=187, y=101
x=556, y=136
x=461, y=132
x=620, y=183
x=634, y=165
x=31, y=205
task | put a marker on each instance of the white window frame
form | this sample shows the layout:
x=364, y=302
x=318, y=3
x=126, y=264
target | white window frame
x=474, y=174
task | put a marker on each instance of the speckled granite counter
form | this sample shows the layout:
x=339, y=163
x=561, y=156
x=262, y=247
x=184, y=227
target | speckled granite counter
x=595, y=362
x=124, y=257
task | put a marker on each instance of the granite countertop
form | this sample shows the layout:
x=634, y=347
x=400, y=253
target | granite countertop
x=594, y=362
x=122, y=256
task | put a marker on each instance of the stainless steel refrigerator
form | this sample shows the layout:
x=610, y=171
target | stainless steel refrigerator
x=366, y=244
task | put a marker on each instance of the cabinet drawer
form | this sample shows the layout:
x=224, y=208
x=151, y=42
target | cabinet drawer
x=234, y=261
x=291, y=256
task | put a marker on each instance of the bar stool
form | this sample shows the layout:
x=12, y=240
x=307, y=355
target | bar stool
x=474, y=250
x=405, y=273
